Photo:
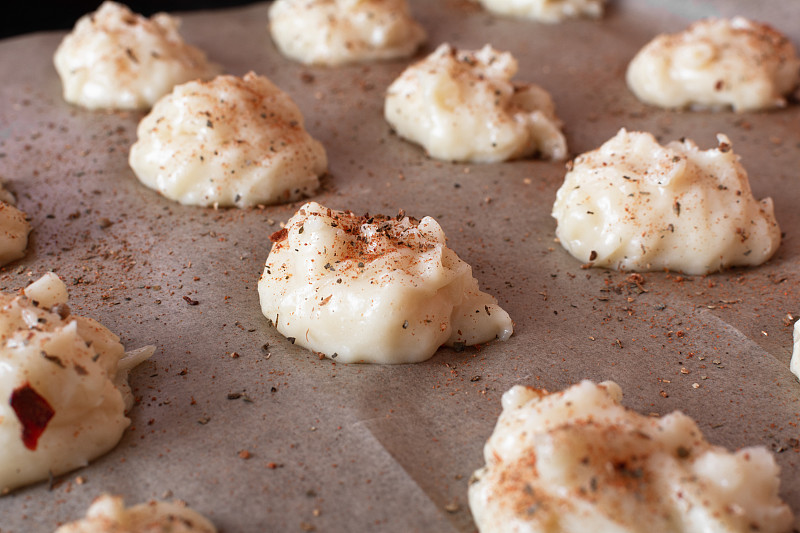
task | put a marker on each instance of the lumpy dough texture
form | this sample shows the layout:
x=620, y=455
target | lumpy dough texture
x=63, y=385
x=116, y=59
x=373, y=289
x=108, y=514
x=633, y=204
x=716, y=63
x=578, y=461
x=549, y=11
x=229, y=141
x=14, y=229
x=336, y=32
x=462, y=106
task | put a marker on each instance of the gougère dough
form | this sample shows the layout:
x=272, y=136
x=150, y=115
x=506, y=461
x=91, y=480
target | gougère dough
x=577, y=461
x=549, y=11
x=63, y=385
x=462, y=106
x=14, y=229
x=636, y=205
x=229, y=141
x=373, y=289
x=108, y=514
x=716, y=63
x=335, y=32
x=117, y=59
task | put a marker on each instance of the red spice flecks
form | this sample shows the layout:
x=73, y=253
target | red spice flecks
x=279, y=235
x=33, y=412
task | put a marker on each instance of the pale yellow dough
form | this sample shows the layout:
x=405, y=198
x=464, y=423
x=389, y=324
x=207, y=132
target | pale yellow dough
x=577, y=461
x=337, y=32
x=717, y=63
x=633, y=204
x=373, y=289
x=14, y=229
x=549, y=11
x=72, y=364
x=461, y=105
x=108, y=514
x=116, y=59
x=228, y=142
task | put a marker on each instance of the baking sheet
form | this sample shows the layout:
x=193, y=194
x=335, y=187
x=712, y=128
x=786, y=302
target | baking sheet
x=389, y=448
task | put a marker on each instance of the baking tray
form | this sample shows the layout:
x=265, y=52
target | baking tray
x=336, y=447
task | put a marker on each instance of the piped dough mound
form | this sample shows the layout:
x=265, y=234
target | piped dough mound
x=577, y=461
x=633, y=204
x=229, y=142
x=14, y=229
x=373, y=289
x=716, y=63
x=108, y=514
x=336, y=32
x=63, y=385
x=462, y=106
x=549, y=11
x=116, y=59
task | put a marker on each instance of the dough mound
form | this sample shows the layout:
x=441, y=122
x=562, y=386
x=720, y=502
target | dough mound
x=116, y=59
x=108, y=514
x=63, y=381
x=633, y=204
x=578, y=461
x=716, y=63
x=373, y=289
x=462, y=106
x=549, y=11
x=14, y=229
x=337, y=32
x=229, y=141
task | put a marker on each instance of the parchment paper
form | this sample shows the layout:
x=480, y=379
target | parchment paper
x=380, y=448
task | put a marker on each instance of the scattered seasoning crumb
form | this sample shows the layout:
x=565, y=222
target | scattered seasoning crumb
x=203, y=421
x=305, y=526
x=244, y=454
x=80, y=480
x=234, y=395
x=190, y=301
x=452, y=507
x=475, y=378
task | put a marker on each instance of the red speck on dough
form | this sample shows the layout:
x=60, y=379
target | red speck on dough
x=279, y=235
x=33, y=412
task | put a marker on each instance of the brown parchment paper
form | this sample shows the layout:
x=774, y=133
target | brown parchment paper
x=390, y=448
